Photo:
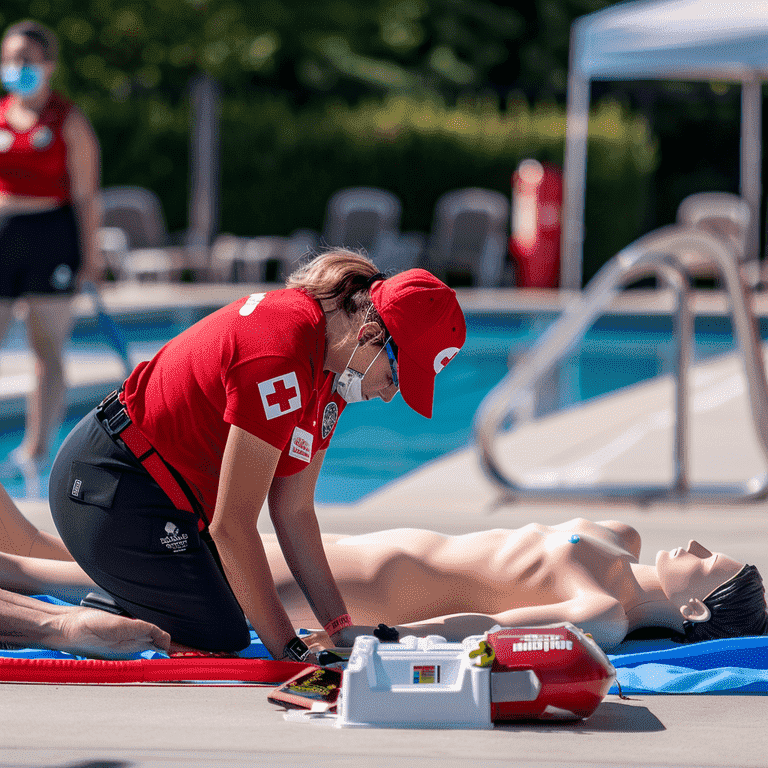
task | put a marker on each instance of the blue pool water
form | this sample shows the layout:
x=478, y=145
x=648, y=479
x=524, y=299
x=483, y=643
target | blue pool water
x=377, y=442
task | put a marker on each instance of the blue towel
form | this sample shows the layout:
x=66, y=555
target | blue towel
x=734, y=666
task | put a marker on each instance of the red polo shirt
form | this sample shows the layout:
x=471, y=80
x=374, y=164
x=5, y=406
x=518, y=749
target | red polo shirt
x=256, y=363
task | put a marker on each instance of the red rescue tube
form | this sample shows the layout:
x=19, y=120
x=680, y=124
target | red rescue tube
x=146, y=670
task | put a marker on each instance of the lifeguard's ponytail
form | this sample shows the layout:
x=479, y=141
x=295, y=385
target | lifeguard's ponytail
x=340, y=276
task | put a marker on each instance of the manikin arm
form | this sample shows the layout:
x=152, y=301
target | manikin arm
x=37, y=576
x=26, y=622
x=19, y=537
x=33, y=562
x=599, y=615
x=29, y=623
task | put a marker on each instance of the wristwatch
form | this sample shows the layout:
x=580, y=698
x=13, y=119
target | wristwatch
x=296, y=649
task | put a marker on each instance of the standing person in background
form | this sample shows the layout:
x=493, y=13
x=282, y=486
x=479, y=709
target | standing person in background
x=49, y=182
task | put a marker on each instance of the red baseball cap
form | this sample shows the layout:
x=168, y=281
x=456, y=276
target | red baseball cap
x=428, y=327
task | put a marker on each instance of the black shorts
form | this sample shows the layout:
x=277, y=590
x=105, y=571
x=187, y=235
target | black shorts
x=129, y=538
x=40, y=253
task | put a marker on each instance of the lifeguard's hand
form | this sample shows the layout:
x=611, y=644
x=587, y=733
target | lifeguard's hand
x=90, y=632
x=345, y=638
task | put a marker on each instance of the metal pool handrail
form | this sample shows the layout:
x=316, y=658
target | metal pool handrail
x=653, y=254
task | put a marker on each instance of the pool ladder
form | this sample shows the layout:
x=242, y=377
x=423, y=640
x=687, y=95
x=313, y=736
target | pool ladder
x=655, y=254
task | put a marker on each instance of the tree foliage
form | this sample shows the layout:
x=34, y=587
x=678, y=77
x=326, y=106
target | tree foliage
x=308, y=48
x=300, y=80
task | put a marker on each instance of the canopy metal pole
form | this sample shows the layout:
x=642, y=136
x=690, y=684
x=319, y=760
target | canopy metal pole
x=204, y=169
x=574, y=181
x=750, y=186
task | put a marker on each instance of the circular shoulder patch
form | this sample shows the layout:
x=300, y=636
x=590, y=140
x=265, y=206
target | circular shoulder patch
x=330, y=417
x=42, y=137
x=61, y=278
x=6, y=139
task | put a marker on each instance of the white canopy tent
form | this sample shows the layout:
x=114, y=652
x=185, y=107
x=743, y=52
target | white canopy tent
x=723, y=40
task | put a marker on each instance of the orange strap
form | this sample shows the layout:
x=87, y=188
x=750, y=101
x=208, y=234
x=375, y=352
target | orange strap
x=340, y=622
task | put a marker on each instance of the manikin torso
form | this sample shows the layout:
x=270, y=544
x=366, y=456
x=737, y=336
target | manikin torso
x=410, y=575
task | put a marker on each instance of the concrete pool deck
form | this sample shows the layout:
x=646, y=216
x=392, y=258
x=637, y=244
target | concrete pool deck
x=148, y=726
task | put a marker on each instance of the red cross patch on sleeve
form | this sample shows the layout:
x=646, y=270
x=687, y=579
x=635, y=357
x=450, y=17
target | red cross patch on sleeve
x=280, y=395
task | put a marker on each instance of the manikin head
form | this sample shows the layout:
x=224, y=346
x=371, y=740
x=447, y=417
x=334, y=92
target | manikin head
x=716, y=595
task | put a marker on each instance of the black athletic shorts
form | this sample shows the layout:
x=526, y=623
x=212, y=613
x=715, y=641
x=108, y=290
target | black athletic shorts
x=130, y=539
x=39, y=253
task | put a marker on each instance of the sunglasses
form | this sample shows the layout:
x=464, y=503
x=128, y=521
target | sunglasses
x=392, y=358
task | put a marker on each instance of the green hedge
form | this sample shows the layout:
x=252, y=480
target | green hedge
x=280, y=165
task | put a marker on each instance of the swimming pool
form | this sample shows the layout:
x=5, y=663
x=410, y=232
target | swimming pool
x=376, y=443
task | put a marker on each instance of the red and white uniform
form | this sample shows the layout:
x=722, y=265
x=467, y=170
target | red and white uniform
x=33, y=163
x=256, y=363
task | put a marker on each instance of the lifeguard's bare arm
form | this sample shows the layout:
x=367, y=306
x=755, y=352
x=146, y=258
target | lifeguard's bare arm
x=247, y=471
x=292, y=509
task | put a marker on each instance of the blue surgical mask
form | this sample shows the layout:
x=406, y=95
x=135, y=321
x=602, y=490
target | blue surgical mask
x=24, y=81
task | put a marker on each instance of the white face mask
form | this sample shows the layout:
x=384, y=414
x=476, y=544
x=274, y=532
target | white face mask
x=350, y=383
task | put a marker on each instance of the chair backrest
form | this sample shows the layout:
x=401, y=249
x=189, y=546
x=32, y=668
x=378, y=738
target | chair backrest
x=357, y=217
x=302, y=245
x=250, y=259
x=113, y=244
x=722, y=214
x=225, y=251
x=112, y=239
x=468, y=234
x=137, y=211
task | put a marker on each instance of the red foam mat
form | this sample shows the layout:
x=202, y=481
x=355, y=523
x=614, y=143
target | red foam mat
x=146, y=670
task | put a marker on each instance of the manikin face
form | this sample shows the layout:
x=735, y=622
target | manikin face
x=689, y=574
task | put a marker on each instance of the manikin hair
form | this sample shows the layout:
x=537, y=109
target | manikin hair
x=737, y=609
x=37, y=33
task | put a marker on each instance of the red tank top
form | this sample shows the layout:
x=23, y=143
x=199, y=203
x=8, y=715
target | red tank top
x=33, y=163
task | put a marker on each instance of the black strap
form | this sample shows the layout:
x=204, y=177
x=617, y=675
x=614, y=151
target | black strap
x=375, y=278
x=386, y=634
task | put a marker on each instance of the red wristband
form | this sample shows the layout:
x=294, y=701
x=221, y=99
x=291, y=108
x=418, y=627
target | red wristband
x=332, y=627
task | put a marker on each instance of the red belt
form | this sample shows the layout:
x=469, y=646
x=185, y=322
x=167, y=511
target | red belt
x=117, y=423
